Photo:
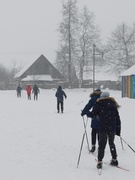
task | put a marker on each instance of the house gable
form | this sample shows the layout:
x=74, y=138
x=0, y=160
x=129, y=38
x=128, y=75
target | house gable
x=41, y=67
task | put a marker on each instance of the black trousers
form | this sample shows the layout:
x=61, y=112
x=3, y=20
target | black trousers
x=94, y=136
x=60, y=106
x=18, y=94
x=35, y=96
x=103, y=137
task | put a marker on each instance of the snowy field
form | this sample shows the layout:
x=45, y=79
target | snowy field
x=36, y=143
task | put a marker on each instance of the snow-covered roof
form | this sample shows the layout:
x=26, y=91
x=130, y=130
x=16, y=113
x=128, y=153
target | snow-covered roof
x=100, y=74
x=23, y=69
x=129, y=72
x=38, y=77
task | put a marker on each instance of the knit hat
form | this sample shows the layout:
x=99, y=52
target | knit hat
x=97, y=90
x=105, y=94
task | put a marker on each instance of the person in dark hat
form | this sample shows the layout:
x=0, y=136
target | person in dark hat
x=36, y=91
x=106, y=108
x=60, y=94
x=18, y=90
x=94, y=121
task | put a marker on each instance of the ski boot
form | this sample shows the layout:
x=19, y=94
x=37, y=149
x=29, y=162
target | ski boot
x=93, y=149
x=114, y=162
x=99, y=165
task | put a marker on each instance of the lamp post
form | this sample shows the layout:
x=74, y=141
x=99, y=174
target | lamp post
x=94, y=47
x=94, y=53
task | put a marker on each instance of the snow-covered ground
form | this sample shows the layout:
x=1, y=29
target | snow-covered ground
x=36, y=143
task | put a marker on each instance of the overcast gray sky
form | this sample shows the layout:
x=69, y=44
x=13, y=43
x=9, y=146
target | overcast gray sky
x=28, y=27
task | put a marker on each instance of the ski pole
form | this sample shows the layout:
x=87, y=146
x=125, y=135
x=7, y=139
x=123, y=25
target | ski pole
x=128, y=145
x=82, y=143
x=121, y=142
x=80, y=150
x=86, y=133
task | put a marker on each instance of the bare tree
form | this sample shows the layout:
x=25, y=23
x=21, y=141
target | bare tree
x=67, y=30
x=4, y=73
x=121, y=48
x=14, y=69
x=87, y=35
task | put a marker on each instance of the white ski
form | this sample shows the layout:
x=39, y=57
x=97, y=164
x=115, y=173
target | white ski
x=99, y=171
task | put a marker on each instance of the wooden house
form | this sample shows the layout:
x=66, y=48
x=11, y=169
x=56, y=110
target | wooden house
x=40, y=72
x=128, y=82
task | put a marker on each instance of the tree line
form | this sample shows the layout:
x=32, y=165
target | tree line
x=78, y=33
x=8, y=74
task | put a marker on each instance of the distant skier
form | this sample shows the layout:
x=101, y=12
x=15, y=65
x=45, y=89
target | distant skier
x=35, y=91
x=18, y=90
x=28, y=89
x=60, y=94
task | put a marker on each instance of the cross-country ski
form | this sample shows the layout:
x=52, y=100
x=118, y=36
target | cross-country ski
x=99, y=171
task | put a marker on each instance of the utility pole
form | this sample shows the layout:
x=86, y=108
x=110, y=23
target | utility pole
x=94, y=54
x=94, y=48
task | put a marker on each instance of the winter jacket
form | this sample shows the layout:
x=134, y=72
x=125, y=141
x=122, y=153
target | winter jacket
x=109, y=119
x=18, y=89
x=28, y=89
x=60, y=94
x=91, y=103
x=35, y=90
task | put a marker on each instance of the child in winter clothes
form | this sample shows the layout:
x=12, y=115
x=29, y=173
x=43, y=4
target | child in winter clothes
x=28, y=89
x=109, y=125
x=94, y=121
x=60, y=94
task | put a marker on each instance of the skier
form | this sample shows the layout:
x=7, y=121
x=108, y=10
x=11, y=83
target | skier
x=94, y=121
x=35, y=91
x=28, y=89
x=60, y=100
x=106, y=108
x=18, y=90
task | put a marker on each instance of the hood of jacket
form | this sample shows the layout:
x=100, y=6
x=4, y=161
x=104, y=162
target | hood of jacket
x=108, y=102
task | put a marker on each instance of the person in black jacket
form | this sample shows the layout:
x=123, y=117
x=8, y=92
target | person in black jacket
x=60, y=94
x=94, y=121
x=36, y=91
x=18, y=90
x=106, y=108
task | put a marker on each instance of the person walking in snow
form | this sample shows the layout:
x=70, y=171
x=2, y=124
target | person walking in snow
x=28, y=90
x=106, y=108
x=18, y=90
x=60, y=94
x=36, y=92
x=94, y=121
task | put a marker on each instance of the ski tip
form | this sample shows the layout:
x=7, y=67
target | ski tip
x=122, y=168
x=99, y=171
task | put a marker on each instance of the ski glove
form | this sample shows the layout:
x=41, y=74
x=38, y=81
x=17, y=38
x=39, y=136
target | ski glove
x=89, y=114
x=118, y=133
x=82, y=114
